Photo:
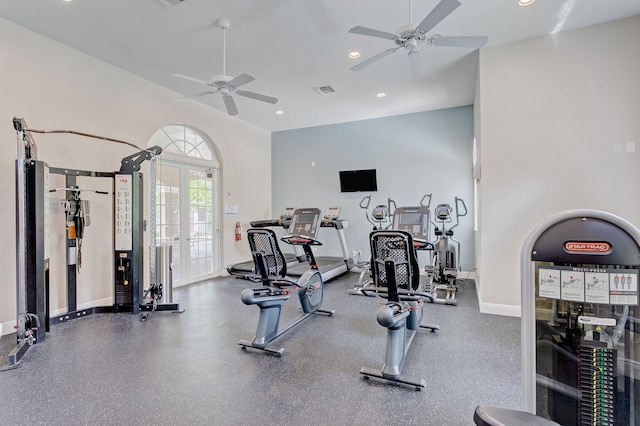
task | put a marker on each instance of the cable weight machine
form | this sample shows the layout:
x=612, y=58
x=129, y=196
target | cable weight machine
x=32, y=245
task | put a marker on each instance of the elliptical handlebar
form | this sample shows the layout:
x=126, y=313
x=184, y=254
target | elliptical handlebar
x=364, y=205
x=428, y=196
x=459, y=203
x=389, y=202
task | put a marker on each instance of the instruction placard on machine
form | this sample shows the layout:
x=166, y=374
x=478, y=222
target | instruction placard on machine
x=123, y=212
x=586, y=285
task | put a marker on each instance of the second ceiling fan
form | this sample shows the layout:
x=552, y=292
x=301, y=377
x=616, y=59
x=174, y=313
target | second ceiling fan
x=411, y=36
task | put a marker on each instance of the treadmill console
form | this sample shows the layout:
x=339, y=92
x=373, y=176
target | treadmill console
x=414, y=220
x=287, y=213
x=332, y=213
x=305, y=223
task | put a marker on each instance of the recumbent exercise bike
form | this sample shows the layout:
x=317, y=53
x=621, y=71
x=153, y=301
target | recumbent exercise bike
x=396, y=276
x=276, y=286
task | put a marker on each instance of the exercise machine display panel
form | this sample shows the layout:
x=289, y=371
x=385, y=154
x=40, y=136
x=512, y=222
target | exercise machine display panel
x=414, y=220
x=304, y=223
x=581, y=323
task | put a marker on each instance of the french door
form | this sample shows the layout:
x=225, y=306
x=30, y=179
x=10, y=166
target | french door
x=186, y=219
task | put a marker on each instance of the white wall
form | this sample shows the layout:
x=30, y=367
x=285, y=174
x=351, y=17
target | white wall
x=549, y=111
x=55, y=87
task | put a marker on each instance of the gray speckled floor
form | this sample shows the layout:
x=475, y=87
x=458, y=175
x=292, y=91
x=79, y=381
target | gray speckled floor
x=113, y=369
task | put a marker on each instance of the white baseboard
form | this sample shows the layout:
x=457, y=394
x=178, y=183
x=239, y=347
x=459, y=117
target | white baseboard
x=496, y=309
x=8, y=327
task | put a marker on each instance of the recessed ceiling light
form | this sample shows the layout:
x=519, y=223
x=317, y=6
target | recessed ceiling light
x=381, y=95
x=525, y=2
x=354, y=55
x=279, y=112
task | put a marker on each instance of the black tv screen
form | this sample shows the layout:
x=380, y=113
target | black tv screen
x=358, y=180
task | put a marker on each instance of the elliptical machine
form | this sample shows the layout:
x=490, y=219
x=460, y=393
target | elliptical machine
x=380, y=215
x=276, y=286
x=445, y=264
x=379, y=219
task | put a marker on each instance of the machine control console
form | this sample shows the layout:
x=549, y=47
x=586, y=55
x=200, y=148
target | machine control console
x=414, y=220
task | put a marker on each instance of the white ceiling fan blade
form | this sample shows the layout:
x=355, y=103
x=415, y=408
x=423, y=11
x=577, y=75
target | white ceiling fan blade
x=196, y=80
x=232, y=109
x=461, y=41
x=240, y=80
x=441, y=11
x=195, y=95
x=373, y=33
x=257, y=96
x=374, y=59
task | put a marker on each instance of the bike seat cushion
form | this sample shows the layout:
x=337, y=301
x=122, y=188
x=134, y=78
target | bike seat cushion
x=486, y=415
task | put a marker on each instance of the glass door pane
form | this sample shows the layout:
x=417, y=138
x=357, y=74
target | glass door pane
x=185, y=219
x=201, y=232
x=168, y=213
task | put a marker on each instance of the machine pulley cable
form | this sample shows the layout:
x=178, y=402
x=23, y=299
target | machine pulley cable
x=89, y=135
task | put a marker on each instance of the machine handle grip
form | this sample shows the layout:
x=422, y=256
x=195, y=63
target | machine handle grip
x=460, y=202
x=428, y=196
x=364, y=203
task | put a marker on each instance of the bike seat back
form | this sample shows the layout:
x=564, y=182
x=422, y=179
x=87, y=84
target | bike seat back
x=394, y=262
x=264, y=245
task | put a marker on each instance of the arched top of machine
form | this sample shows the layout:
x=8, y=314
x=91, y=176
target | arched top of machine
x=586, y=240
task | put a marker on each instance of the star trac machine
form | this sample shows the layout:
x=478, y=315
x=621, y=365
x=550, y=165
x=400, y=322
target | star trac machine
x=580, y=320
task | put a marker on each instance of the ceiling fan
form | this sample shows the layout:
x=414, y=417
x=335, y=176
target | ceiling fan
x=411, y=35
x=225, y=84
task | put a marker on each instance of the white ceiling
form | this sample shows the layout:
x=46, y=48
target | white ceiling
x=291, y=46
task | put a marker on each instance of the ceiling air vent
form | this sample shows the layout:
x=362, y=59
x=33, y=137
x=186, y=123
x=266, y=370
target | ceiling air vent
x=170, y=3
x=324, y=90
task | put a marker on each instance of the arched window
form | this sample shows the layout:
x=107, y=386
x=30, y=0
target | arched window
x=183, y=140
x=187, y=201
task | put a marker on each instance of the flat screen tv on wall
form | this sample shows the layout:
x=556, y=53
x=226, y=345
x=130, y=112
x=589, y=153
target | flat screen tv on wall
x=358, y=180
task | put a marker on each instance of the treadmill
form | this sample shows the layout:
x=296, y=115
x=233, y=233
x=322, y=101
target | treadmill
x=246, y=269
x=329, y=266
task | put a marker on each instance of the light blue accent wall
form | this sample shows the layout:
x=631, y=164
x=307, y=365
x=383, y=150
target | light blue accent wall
x=414, y=154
